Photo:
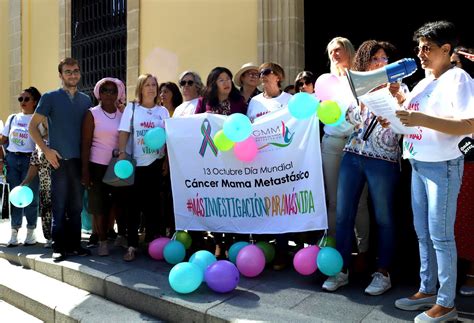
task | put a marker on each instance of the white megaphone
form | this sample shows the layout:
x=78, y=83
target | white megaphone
x=363, y=82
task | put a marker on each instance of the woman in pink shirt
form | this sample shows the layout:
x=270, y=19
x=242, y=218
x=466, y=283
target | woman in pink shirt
x=99, y=139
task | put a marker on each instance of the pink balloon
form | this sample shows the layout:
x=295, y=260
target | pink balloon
x=305, y=260
x=156, y=247
x=251, y=261
x=327, y=87
x=246, y=150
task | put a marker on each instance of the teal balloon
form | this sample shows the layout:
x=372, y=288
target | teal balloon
x=329, y=261
x=21, y=196
x=234, y=250
x=185, y=277
x=203, y=259
x=303, y=105
x=237, y=127
x=123, y=169
x=155, y=138
x=174, y=252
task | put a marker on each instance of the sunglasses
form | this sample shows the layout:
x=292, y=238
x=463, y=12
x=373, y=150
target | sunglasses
x=189, y=83
x=25, y=98
x=110, y=91
x=300, y=83
x=423, y=49
x=265, y=72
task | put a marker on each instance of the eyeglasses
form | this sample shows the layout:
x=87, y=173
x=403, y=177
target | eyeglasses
x=184, y=82
x=424, y=49
x=24, y=98
x=252, y=74
x=265, y=72
x=111, y=91
x=69, y=72
x=300, y=83
x=379, y=59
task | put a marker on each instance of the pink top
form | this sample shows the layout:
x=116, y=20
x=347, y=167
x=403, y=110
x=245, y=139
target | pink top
x=105, y=137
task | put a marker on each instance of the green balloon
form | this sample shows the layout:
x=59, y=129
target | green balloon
x=268, y=250
x=327, y=241
x=184, y=238
x=329, y=112
x=222, y=142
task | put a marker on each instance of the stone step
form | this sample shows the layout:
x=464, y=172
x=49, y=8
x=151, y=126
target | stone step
x=12, y=314
x=50, y=300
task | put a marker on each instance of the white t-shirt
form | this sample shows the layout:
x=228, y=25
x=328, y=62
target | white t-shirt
x=19, y=139
x=260, y=105
x=450, y=96
x=143, y=120
x=186, y=108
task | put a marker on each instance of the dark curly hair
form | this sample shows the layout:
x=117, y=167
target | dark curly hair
x=367, y=50
x=34, y=93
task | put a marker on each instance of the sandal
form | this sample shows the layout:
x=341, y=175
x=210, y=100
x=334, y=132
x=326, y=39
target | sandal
x=130, y=254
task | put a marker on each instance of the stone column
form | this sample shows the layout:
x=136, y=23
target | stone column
x=133, y=43
x=14, y=35
x=64, y=29
x=281, y=35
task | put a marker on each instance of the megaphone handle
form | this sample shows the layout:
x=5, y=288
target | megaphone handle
x=370, y=128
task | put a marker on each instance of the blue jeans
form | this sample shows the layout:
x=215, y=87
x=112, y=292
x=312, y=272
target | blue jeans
x=435, y=187
x=17, y=167
x=382, y=178
x=66, y=197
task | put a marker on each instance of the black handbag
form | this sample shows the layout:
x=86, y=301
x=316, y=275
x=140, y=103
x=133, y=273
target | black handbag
x=110, y=177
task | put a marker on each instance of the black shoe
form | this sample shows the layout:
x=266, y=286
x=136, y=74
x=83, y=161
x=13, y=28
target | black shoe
x=82, y=252
x=93, y=240
x=59, y=256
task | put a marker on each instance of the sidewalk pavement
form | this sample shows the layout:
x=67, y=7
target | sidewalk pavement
x=274, y=296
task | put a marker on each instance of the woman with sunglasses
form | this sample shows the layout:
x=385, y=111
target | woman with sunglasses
x=372, y=159
x=99, y=139
x=19, y=147
x=272, y=98
x=304, y=82
x=191, y=87
x=437, y=168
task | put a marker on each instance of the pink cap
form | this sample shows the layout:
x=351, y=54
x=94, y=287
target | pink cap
x=120, y=87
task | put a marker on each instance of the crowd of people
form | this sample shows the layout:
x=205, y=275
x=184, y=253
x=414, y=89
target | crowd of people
x=60, y=145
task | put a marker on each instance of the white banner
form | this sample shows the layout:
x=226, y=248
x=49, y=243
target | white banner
x=281, y=190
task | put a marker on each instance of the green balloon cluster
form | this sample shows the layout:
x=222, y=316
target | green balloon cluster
x=184, y=238
x=329, y=112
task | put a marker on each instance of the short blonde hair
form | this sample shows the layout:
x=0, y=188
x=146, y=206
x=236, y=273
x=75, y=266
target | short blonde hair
x=347, y=45
x=141, y=83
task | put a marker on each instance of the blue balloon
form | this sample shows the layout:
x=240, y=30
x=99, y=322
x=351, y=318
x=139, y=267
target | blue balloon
x=329, y=261
x=234, y=250
x=155, y=138
x=237, y=127
x=21, y=196
x=174, y=252
x=185, y=277
x=123, y=169
x=203, y=259
x=303, y=105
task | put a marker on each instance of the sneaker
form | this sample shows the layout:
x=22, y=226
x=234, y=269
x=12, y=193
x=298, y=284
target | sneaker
x=49, y=243
x=121, y=241
x=334, y=282
x=379, y=285
x=408, y=304
x=59, y=256
x=13, y=239
x=30, y=238
x=130, y=254
x=82, y=252
x=103, y=249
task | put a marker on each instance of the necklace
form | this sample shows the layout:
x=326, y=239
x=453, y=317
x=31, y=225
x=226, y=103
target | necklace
x=107, y=115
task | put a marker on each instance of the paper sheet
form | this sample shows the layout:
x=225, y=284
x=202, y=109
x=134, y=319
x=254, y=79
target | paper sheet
x=384, y=105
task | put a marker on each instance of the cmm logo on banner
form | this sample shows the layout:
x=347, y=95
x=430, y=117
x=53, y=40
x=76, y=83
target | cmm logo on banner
x=281, y=190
